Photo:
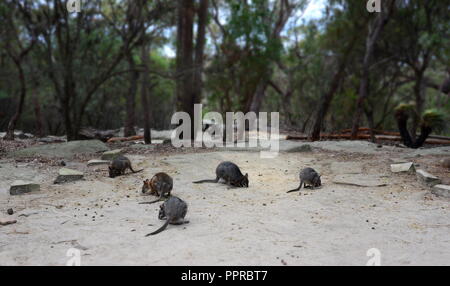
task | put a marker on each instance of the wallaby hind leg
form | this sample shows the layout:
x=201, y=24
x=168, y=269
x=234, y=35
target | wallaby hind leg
x=304, y=186
x=180, y=222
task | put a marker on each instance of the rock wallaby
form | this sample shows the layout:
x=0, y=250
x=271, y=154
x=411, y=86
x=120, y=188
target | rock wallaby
x=119, y=165
x=230, y=173
x=173, y=211
x=310, y=177
x=160, y=185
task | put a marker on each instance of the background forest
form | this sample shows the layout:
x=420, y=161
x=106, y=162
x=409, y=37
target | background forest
x=127, y=63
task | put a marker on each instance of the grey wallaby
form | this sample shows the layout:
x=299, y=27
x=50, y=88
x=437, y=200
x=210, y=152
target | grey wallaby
x=173, y=211
x=230, y=173
x=308, y=176
x=119, y=165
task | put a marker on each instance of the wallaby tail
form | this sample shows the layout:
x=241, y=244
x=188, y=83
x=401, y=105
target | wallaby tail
x=205, y=181
x=149, y=203
x=136, y=171
x=161, y=228
x=296, y=190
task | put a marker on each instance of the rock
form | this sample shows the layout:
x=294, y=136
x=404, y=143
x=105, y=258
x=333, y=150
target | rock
x=143, y=147
x=360, y=180
x=22, y=187
x=346, y=167
x=427, y=178
x=300, y=149
x=405, y=167
x=97, y=162
x=103, y=135
x=10, y=211
x=62, y=150
x=68, y=175
x=52, y=139
x=22, y=135
x=446, y=163
x=397, y=160
x=111, y=155
x=441, y=191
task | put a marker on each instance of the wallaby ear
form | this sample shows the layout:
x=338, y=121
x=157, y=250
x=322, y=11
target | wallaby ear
x=246, y=175
x=110, y=167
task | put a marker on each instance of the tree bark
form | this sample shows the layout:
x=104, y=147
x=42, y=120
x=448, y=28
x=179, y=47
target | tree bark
x=326, y=99
x=130, y=121
x=144, y=94
x=38, y=115
x=23, y=91
x=419, y=94
x=185, y=59
x=199, y=49
x=375, y=29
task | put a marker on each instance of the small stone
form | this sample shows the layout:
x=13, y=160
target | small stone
x=401, y=168
x=427, y=178
x=97, y=162
x=441, y=191
x=68, y=175
x=111, y=155
x=10, y=211
x=22, y=187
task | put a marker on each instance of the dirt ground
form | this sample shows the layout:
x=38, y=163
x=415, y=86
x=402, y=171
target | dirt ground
x=261, y=225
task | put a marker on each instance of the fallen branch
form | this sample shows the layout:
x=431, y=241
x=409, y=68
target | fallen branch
x=7, y=222
x=365, y=137
x=125, y=139
x=390, y=133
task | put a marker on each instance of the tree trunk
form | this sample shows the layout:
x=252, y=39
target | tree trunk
x=144, y=94
x=328, y=96
x=130, y=121
x=185, y=59
x=375, y=29
x=258, y=97
x=419, y=90
x=402, y=121
x=199, y=49
x=38, y=115
x=23, y=91
x=370, y=120
x=326, y=102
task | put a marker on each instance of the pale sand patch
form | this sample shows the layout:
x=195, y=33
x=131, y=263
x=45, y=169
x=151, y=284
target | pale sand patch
x=261, y=225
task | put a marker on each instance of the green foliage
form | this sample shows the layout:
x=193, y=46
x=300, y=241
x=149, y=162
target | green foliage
x=406, y=107
x=240, y=54
x=434, y=119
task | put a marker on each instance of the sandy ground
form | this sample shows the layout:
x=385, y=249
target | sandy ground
x=261, y=225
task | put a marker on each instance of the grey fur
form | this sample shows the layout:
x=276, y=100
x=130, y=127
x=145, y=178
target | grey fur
x=310, y=177
x=230, y=173
x=173, y=211
x=119, y=165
